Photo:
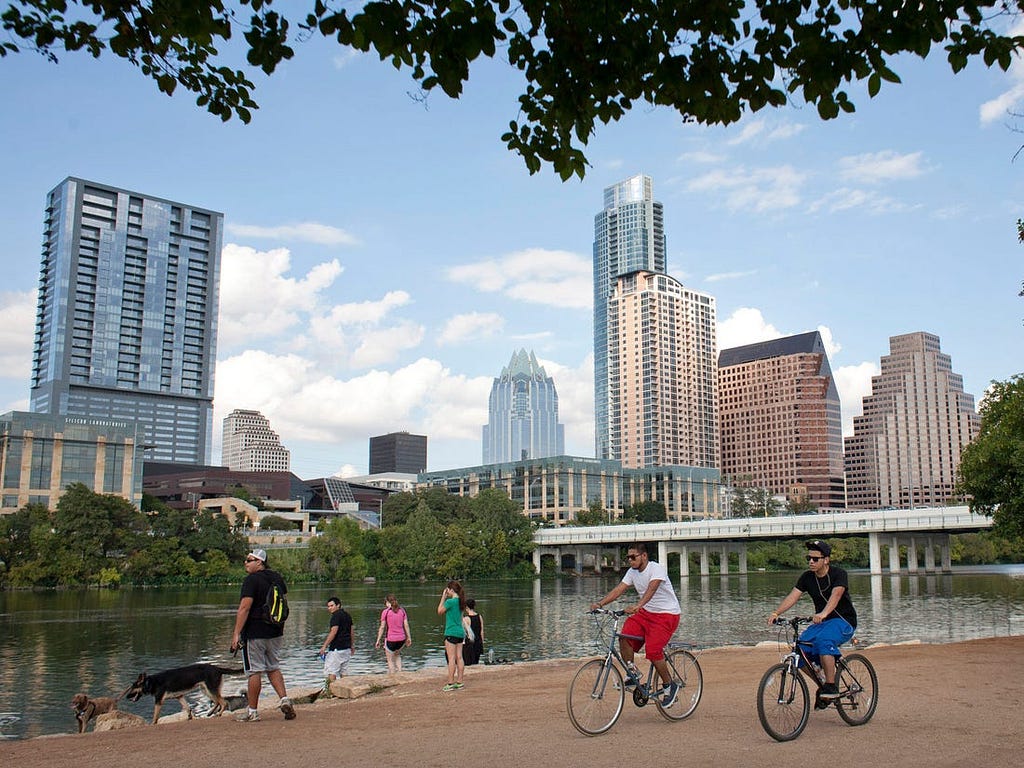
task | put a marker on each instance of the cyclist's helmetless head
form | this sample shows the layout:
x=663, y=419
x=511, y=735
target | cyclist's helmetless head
x=637, y=556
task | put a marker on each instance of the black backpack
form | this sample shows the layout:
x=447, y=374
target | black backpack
x=275, y=607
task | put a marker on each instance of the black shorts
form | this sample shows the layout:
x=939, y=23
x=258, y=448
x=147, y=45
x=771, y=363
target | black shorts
x=394, y=645
x=454, y=640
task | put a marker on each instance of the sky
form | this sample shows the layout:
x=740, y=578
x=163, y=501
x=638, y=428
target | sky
x=384, y=257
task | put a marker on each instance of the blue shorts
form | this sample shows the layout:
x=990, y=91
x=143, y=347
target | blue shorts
x=825, y=638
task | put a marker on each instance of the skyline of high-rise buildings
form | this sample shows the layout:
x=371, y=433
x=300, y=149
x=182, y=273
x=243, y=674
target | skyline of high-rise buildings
x=906, y=445
x=250, y=445
x=781, y=424
x=126, y=325
x=522, y=413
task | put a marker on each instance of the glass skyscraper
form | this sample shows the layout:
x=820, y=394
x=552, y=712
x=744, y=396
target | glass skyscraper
x=522, y=414
x=629, y=235
x=126, y=327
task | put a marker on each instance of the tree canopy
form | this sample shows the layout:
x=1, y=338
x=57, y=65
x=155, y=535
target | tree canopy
x=582, y=63
x=991, y=469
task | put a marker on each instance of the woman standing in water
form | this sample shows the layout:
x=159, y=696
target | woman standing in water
x=451, y=605
x=393, y=633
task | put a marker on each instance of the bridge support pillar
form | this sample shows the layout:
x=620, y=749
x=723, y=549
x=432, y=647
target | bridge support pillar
x=684, y=562
x=894, y=555
x=912, y=555
x=705, y=561
x=598, y=556
x=947, y=561
x=929, y=555
x=536, y=561
x=743, y=558
x=663, y=553
x=874, y=554
x=723, y=562
x=577, y=564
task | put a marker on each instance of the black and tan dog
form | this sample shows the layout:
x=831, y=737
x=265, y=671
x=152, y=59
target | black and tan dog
x=177, y=682
x=86, y=709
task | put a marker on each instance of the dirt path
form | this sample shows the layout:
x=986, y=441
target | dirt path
x=939, y=705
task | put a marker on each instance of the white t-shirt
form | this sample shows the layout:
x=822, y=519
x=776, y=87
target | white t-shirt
x=664, y=599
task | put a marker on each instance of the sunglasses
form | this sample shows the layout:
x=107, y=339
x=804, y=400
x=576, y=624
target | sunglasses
x=252, y=559
x=632, y=557
x=813, y=559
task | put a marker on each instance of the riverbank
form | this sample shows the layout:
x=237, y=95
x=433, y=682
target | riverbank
x=939, y=705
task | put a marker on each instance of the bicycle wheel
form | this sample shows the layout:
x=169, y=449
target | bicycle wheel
x=858, y=689
x=783, y=704
x=687, y=675
x=595, y=697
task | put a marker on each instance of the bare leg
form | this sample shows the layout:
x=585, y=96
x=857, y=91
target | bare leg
x=252, y=693
x=460, y=664
x=828, y=666
x=666, y=674
x=453, y=652
x=277, y=682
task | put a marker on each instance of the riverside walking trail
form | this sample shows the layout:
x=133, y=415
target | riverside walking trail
x=957, y=704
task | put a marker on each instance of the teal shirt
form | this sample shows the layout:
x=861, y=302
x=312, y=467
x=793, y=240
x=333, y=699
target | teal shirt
x=453, y=618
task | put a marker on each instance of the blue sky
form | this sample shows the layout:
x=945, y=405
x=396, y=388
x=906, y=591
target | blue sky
x=384, y=258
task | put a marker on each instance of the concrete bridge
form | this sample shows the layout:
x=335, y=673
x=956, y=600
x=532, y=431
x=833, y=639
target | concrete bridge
x=927, y=528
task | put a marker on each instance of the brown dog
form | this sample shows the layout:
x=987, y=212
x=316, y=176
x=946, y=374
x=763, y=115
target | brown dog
x=86, y=709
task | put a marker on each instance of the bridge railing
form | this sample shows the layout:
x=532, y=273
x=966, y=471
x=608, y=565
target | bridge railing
x=951, y=519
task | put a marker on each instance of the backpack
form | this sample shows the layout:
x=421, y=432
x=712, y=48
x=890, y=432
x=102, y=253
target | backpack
x=275, y=607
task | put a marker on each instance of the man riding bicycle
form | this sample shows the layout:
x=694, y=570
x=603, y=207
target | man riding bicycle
x=654, y=618
x=835, y=619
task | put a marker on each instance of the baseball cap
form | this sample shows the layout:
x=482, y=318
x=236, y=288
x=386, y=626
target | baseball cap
x=259, y=554
x=821, y=546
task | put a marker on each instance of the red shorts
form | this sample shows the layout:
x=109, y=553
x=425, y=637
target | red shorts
x=656, y=629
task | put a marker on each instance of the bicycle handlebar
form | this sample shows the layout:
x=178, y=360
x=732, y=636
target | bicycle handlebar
x=795, y=622
x=606, y=612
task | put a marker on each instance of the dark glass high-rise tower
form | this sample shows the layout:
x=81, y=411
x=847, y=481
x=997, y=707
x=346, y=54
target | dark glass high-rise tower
x=522, y=421
x=126, y=326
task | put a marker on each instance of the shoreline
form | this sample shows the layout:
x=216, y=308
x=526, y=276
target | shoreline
x=940, y=704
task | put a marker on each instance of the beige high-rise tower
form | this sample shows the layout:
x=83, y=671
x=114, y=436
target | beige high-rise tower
x=662, y=373
x=906, y=446
x=250, y=445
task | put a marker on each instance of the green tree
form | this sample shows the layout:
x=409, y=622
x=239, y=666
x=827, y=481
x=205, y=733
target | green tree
x=647, y=512
x=581, y=63
x=594, y=514
x=991, y=471
x=277, y=523
x=336, y=554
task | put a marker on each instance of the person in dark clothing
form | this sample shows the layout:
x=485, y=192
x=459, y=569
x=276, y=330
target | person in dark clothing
x=260, y=640
x=473, y=649
x=835, y=619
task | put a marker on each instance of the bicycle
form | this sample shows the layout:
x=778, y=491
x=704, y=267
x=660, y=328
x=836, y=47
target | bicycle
x=783, y=701
x=597, y=691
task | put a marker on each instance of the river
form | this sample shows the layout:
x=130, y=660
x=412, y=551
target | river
x=55, y=644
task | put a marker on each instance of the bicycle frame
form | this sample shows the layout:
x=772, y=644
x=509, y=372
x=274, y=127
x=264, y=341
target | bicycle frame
x=644, y=689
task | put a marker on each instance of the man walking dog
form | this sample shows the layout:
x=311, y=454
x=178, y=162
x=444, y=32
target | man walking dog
x=259, y=639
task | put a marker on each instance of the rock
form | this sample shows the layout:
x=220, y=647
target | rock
x=117, y=720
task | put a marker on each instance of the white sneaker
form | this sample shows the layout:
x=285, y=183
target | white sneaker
x=248, y=716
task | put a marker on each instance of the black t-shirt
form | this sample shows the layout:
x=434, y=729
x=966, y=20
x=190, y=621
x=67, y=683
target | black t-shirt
x=257, y=585
x=343, y=637
x=821, y=589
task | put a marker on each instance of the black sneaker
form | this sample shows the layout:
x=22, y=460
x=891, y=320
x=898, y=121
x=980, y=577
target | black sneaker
x=828, y=692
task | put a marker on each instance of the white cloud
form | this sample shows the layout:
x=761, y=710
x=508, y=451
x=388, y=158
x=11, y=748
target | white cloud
x=700, y=157
x=257, y=299
x=878, y=167
x=759, y=130
x=348, y=470
x=370, y=312
x=759, y=189
x=304, y=405
x=745, y=326
x=470, y=326
x=847, y=198
x=853, y=383
x=17, y=330
x=832, y=347
x=306, y=231
x=1009, y=100
x=536, y=275
x=718, y=277
x=384, y=345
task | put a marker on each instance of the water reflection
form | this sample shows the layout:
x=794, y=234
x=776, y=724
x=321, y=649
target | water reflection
x=53, y=645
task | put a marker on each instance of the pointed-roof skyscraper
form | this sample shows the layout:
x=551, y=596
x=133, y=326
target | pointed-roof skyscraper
x=522, y=414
